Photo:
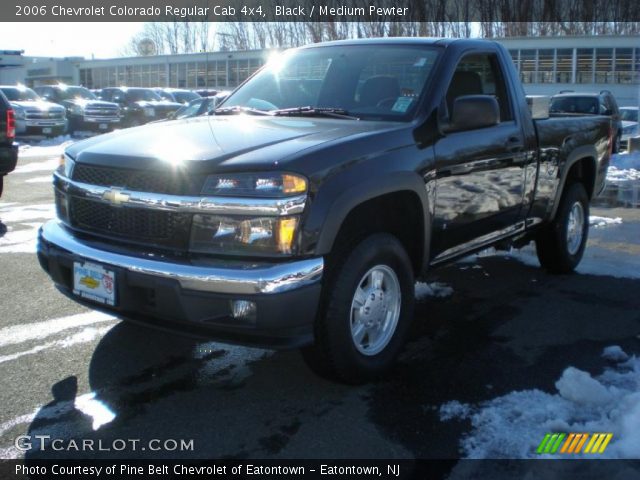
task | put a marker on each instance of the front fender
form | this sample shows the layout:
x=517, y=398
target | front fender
x=328, y=212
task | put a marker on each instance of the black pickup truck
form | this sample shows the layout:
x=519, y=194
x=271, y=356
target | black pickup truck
x=301, y=213
x=8, y=148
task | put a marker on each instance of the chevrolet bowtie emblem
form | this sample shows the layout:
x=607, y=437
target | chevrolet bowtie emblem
x=115, y=196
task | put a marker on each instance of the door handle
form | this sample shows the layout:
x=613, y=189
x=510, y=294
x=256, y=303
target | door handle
x=514, y=144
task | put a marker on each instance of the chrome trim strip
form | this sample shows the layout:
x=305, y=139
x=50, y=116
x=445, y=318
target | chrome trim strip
x=267, y=207
x=479, y=242
x=245, y=279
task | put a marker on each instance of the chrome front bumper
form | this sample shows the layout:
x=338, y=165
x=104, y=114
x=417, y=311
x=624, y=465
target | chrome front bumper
x=244, y=278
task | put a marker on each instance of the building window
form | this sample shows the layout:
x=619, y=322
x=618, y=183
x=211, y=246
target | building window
x=604, y=65
x=584, y=65
x=527, y=66
x=546, y=65
x=624, y=65
x=564, y=65
x=192, y=74
x=514, y=57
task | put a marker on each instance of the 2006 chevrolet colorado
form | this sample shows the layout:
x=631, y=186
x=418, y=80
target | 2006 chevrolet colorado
x=302, y=211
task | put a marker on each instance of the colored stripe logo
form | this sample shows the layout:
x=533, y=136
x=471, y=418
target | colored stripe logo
x=572, y=443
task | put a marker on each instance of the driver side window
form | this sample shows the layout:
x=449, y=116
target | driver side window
x=480, y=74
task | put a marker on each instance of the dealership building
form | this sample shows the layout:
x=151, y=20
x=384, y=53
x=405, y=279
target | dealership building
x=546, y=65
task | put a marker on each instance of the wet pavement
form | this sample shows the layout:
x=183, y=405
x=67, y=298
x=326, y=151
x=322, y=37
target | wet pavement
x=73, y=374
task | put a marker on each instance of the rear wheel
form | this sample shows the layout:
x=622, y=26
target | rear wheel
x=1, y=184
x=560, y=246
x=367, y=309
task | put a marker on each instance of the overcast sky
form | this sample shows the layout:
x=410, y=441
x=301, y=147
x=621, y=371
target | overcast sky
x=62, y=39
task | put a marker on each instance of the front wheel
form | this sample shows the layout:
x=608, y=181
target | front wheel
x=560, y=246
x=367, y=309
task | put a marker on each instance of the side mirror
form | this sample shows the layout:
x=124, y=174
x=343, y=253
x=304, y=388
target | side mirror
x=471, y=112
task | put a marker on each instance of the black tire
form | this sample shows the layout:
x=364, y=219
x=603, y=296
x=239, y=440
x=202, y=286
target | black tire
x=552, y=247
x=1, y=184
x=334, y=354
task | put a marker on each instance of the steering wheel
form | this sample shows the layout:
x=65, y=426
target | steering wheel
x=386, y=102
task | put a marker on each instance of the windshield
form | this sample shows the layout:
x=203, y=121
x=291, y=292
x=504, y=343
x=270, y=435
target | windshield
x=190, y=110
x=629, y=114
x=589, y=105
x=165, y=95
x=372, y=82
x=142, y=95
x=20, y=94
x=70, y=93
x=185, y=97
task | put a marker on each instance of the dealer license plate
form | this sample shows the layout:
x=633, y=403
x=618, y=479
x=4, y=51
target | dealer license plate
x=103, y=126
x=94, y=282
x=47, y=130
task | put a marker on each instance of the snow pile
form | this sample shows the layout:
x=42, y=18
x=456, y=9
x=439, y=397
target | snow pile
x=49, y=147
x=433, y=289
x=624, y=167
x=596, y=221
x=615, y=354
x=617, y=175
x=512, y=426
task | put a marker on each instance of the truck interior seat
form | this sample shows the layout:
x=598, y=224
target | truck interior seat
x=463, y=83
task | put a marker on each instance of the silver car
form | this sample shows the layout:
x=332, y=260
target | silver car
x=33, y=114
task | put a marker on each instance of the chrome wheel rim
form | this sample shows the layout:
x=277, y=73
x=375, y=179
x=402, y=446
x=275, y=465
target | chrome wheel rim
x=375, y=310
x=575, y=228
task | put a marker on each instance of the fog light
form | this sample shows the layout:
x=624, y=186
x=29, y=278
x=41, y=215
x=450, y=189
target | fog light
x=243, y=310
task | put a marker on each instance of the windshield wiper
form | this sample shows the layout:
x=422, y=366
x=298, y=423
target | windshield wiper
x=237, y=110
x=314, y=112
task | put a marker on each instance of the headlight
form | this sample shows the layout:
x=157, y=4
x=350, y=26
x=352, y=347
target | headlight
x=65, y=166
x=243, y=235
x=255, y=185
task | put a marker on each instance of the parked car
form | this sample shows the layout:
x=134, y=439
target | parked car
x=629, y=116
x=139, y=105
x=603, y=103
x=301, y=213
x=199, y=106
x=8, y=146
x=177, y=95
x=33, y=114
x=84, y=110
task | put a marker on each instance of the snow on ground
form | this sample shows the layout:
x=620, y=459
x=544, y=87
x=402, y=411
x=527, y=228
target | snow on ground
x=596, y=221
x=22, y=223
x=434, y=289
x=47, y=166
x=513, y=425
x=43, y=179
x=52, y=147
x=624, y=167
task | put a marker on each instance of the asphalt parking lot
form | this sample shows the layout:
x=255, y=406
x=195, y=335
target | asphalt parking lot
x=484, y=328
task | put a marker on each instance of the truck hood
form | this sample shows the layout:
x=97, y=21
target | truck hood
x=37, y=105
x=217, y=143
